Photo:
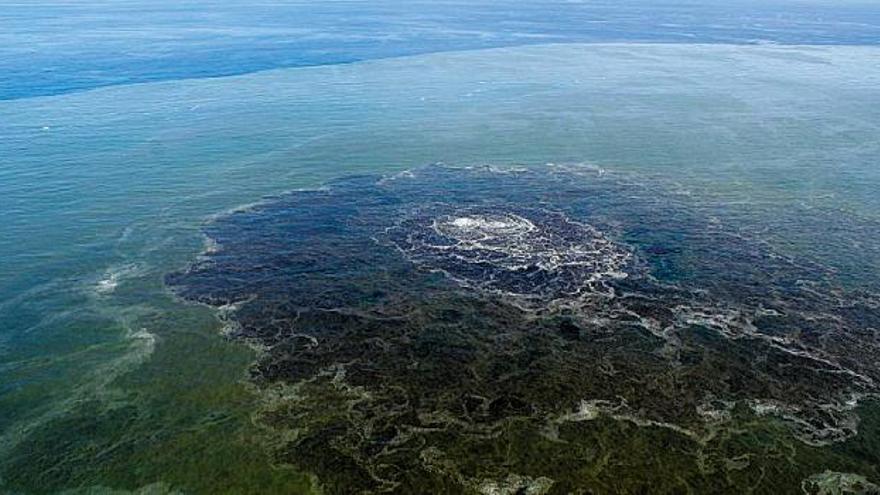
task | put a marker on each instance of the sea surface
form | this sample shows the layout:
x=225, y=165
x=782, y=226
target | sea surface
x=128, y=131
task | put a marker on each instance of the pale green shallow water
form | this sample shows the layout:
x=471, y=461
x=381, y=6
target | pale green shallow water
x=108, y=380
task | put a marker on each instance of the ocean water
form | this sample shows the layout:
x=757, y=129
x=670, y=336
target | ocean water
x=58, y=47
x=116, y=150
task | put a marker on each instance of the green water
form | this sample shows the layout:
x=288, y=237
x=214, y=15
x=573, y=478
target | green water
x=106, y=380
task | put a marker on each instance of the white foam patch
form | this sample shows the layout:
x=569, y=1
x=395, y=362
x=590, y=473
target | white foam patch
x=515, y=484
x=835, y=422
x=833, y=483
x=547, y=256
x=114, y=275
x=619, y=410
x=492, y=232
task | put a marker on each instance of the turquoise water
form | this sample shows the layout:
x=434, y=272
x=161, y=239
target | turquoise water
x=106, y=379
x=58, y=47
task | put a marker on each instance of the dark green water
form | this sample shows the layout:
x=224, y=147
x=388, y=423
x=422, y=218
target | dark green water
x=432, y=331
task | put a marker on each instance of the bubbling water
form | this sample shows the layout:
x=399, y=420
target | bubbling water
x=535, y=253
x=485, y=228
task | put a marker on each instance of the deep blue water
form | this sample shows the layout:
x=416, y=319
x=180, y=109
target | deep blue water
x=58, y=47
